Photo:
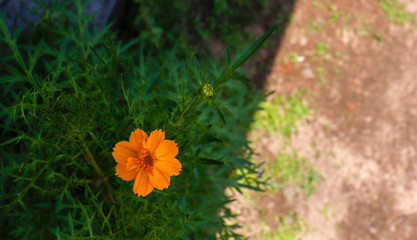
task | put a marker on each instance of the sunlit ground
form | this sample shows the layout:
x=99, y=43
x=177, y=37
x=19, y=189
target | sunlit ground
x=338, y=137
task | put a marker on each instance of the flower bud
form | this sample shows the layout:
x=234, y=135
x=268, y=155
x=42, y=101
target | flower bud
x=206, y=90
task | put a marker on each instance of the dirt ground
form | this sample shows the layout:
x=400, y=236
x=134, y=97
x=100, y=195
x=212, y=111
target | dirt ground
x=361, y=70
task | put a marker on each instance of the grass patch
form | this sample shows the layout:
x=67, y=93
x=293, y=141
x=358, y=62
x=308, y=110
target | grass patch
x=292, y=170
x=289, y=229
x=325, y=211
x=364, y=31
x=293, y=57
x=314, y=26
x=317, y=5
x=281, y=114
x=335, y=16
x=396, y=12
x=322, y=49
x=320, y=74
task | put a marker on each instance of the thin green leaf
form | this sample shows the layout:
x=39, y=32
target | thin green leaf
x=207, y=161
x=220, y=114
x=197, y=66
x=15, y=139
x=228, y=58
x=252, y=49
x=240, y=77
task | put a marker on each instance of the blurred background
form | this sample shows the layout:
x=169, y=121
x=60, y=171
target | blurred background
x=336, y=135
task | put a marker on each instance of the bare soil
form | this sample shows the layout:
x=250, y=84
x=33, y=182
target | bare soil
x=361, y=73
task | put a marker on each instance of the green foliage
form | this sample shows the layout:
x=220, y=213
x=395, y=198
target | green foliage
x=281, y=114
x=69, y=94
x=396, y=12
x=193, y=23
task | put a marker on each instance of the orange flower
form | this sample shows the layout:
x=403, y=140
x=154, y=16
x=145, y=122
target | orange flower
x=149, y=160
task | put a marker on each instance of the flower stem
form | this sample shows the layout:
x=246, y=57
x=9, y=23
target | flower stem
x=187, y=108
x=94, y=164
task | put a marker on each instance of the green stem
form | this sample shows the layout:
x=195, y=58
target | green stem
x=94, y=164
x=187, y=108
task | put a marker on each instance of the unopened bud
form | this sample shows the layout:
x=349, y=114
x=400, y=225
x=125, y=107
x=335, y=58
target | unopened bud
x=206, y=90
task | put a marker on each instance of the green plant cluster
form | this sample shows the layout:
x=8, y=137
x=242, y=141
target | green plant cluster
x=396, y=12
x=70, y=92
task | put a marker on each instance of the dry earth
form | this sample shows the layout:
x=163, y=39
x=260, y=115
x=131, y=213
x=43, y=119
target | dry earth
x=361, y=70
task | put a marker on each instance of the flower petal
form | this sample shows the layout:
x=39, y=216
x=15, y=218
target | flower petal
x=138, y=137
x=159, y=179
x=122, y=151
x=119, y=159
x=124, y=173
x=170, y=166
x=167, y=149
x=125, y=149
x=142, y=185
x=155, y=139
